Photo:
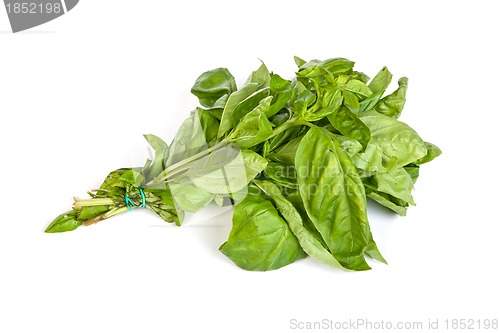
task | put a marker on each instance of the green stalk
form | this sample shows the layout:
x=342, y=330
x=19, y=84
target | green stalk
x=112, y=212
x=177, y=168
x=162, y=177
x=80, y=203
x=292, y=122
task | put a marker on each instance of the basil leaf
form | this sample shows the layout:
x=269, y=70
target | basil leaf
x=286, y=153
x=351, y=146
x=64, y=222
x=350, y=125
x=189, y=140
x=413, y=171
x=231, y=177
x=303, y=99
x=334, y=197
x=396, y=182
x=209, y=124
x=282, y=91
x=257, y=80
x=310, y=241
x=158, y=163
x=392, y=105
x=254, y=128
x=332, y=98
x=386, y=200
x=132, y=177
x=395, y=138
x=330, y=67
x=215, y=160
x=433, y=151
x=381, y=81
x=357, y=87
x=189, y=197
x=337, y=66
x=248, y=104
x=369, y=103
x=298, y=61
x=351, y=101
x=371, y=160
x=212, y=85
x=360, y=76
x=282, y=174
x=280, y=140
x=89, y=212
x=113, y=180
x=260, y=239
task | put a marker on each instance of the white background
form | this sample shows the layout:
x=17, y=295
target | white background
x=77, y=93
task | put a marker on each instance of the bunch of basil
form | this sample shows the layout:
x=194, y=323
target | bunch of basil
x=298, y=159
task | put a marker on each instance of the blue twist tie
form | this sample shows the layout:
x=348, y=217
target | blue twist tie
x=131, y=204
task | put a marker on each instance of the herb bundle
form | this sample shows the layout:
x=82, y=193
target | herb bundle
x=297, y=159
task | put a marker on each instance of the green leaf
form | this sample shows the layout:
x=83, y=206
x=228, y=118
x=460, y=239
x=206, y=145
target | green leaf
x=351, y=101
x=254, y=164
x=360, y=76
x=188, y=196
x=209, y=124
x=158, y=163
x=388, y=201
x=413, y=171
x=88, y=212
x=350, y=125
x=282, y=91
x=113, y=182
x=215, y=160
x=396, y=139
x=351, y=146
x=286, y=153
x=310, y=241
x=258, y=79
x=132, y=177
x=371, y=160
x=188, y=141
x=327, y=104
x=282, y=174
x=433, y=151
x=392, y=105
x=396, y=182
x=332, y=98
x=293, y=196
x=254, y=128
x=276, y=142
x=231, y=177
x=334, y=197
x=212, y=85
x=260, y=239
x=373, y=251
x=247, y=105
x=298, y=61
x=64, y=222
x=303, y=100
x=369, y=103
x=330, y=67
x=381, y=81
x=357, y=87
x=337, y=66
